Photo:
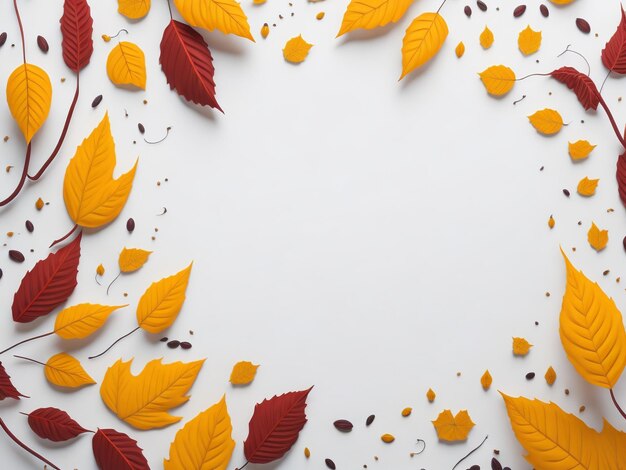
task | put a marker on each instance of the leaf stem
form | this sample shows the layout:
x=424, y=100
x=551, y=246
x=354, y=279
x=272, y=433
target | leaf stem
x=29, y=359
x=25, y=447
x=116, y=341
x=567, y=49
x=532, y=75
x=64, y=237
x=118, y=275
x=20, y=185
x=19, y=23
x=471, y=452
x=438, y=10
x=243, y=466
x=619, y=408
x=612, y=119
x=26, y=341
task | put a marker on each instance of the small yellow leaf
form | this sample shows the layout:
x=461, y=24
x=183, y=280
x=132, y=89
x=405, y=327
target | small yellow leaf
x=486, y=380
x=406, y=412
x=82, y=320
x=597, y=238
x=453, y=428
x=529, y=41
x=296, y=50
x=133, y=9
x=422, y=41
x=486, y=38
x=307, y=452
x=551, y=222
x=265, y=30
x=243, y=373
x=580, y=150
x=126, y=65
x=587, y=187
x=387, y=438
x=550, y=376
x=64, y=370
x=100, y=270
x=561, y=2
x=546, y=121
x=370, y=14
x=131, y=259
x=223, y=15
x=431, y=395
x=498, y=79
x=460, y=49
x=521, y=347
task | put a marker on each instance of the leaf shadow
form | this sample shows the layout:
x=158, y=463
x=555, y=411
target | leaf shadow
x=48, y=444
x=416, y=74
x=367, y=34
x=226, y=43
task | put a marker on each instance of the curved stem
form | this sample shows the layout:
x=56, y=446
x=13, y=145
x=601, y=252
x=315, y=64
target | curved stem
x=25, y=447
x=604, y=81
x=169, y=6
x=532, y=75
x=619, y=408
x=116, y=341
x=471, y=452
x=19, y=23
x=118, y=275
x=438, y=10
x=29, y=359
x=243, y=466
x=20, y=185
x=612, y=119
x=567, y=49
x=26, y=341
x=64, y=237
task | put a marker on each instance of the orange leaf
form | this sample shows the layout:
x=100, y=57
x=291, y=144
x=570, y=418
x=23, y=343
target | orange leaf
x=453, y=428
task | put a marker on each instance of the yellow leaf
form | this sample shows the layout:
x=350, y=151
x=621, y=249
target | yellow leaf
x=223, y=15
x=580, y=150
x=615, y=442
x=131, y=259
x=126, y=65
x=422, y=41
x=204, y=443
x=296, y=50
x=550, y=376
x=591, y=330
x=370, y=14
x=161, y=302
x=561, y=2
x=407, y=412
x=486, y=380
x=486, y=38
x=460, y=49
x=431, y=395
x=133, y=9
x=64, y=370
x=143, y=400
x=29, y=95
x=597, y=238
x=498, y=79
x=387, y=438
x=92, y=197
x=243, y=373
x=546, y=121
x=587, y=187
x=521, y=347
x=100, y=270
x=529, y=41
x=82, y=320
x=453, y=428
x=551, y=222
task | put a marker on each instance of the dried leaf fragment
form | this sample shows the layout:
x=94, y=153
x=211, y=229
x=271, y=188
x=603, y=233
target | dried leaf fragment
x=546, y=121
x=580, y=149
x=486, y=380
x=453, y=428
x=587, y=187
x=498, y=79
x=296, y=50
x=243, y=373
x=521, y=347
x=529, y=41
x=597, y=238
x=486, y=38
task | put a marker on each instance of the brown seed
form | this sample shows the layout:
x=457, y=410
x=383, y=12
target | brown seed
x=29, y=226
x=530, y=376
x=164, y=339
x=16, y=256
x=173, y=344
x=519, y=11
x=3, y=39
x=130, y=225
x=0, y=273
x=544, y=10
x=468, y=11
x=370, y=419
x=96, y=101
x=624, y=243
x=474, y=467
x=495, y=464
x=185, y=345
x=482, y=5
x=142, y=129
x=343, y=425
x=583, y=25
x=566, y=192
x=330, y=464
x=43, y=44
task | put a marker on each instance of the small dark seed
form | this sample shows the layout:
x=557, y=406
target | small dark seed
x=519, y=11
x=130, y=225
x=3, y=39
x=173, y=344
x=43, y=44
x=185, y=345
x=0, y=273
x=142, y=130
x=506, y=468
x=16, y=256
x=495, y=464
x=343, y=425
x=624, y=243
x=164, y=339
x=29, y=226
x=370, y=419
x=544, y=10
x=529, y=376
x=482, y=5
x=330, y=464
x=468, y=11
x=96, y=101
x=566, y=192
x=583, y=25
x=474, y=467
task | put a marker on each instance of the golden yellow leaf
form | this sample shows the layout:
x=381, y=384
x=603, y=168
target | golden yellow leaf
x=92, y=197
x=204, y=443
x=529, y=41
x=126, y=65
x=161, y=302
x=550, y=376
x=521, y=347
x=561, y=2
x=615, y=443
x=460, y=49
x=82, y=320
x=546, y=121
x=265, y=30
x=498, y=79
x=387, y=438
x=431, y=395
x=370, y=14
x=597, y=238
x=486, y=380
x=29, y=96
x=591, y=330
x=486, y=38
x=296, y=50
x=453, y=428
x=580, y=149
x=64, y=370
x=587, y=187
x=133, y=9
x=143, y=400
x=422, y=41
x=131, y=259
x=551, y=222
x=243, y=373
x=223, y=15
x=100, y=270
x=406, y=412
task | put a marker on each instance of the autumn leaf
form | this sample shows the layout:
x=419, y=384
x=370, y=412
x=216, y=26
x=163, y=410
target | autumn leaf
x=498, y=79
x=132, y=259
x=486, y=38
x=486, y=380
x=431, y=395
x=82, y=320
x=529, y=41
x=587, y=187
x=546, y=121
x=133, y=9
x=614, y=53
x=370, y=14
x=580, y=149
x=459, y=50
x=126, y=65
x=422, y=41
x=7, y=390
x=115, y=450
x=143, y=400
x=77, y=30
x=584, y=88
x=204, y=443
x=453, y=428
x=521, y=347
x=550, y=376
x=597, y=238
x=54, y=424
x=296, y=50
x=66, y=371
x=223, y=15
x=243, y=373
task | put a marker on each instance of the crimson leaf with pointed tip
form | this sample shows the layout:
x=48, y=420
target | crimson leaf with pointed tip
x=275, y=426
x=621, y=177
x=187, y=64
x=77, y=30
x=48, y=285
x=117, y=451
x=54, y=424
x=584, y=88
x=7, y=390
x=614, y=53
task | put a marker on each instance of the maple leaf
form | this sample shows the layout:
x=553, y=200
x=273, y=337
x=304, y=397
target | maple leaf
x=453, y=428
x=597, y=238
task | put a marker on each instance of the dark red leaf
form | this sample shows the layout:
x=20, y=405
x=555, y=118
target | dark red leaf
x=7, y=390
x=621, y=177
x=48, y=285
x=187, y=64
x=579, y=83
x=117, y=451
x=614, y=53
x=54, y=424
x=275, y=426
x=77, y=30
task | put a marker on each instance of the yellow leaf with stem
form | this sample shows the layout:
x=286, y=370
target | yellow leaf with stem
x=498, y=79
x=486, y=38
x=133, y=9
x=529, y=41
x=580, y=149
x=597, y=238
x=126, y=65
x=243, y=373
x=370, y=14
x=82, y=320
x=453, y=428
x=66, y=371
x=422, y=41
x=132, y=259
x=546, y=121
x=223, y=15
x=587, y=187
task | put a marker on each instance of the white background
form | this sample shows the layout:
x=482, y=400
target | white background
x=365, y=236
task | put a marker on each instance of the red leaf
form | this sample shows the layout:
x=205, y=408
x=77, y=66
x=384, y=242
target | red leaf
x=187, y=64
x=581, y=84
x=117, y=451
x=274, y=427
x=614, y=53
x=621, y=177
x=77, y=29
x=48, y=285
x=54, y=424
x=7, y=390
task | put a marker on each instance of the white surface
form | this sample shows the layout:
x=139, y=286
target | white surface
x=366, y=236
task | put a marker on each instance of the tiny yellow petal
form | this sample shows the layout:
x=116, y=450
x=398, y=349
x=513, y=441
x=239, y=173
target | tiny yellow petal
x=100, y=270
x=430, y=395
x=551, y=222
x=407, y=412
x=550, y=376
x=39, y=204
x=486, y=380
x=265, y=30
x=320, y=15
x=387, y=438
x=307, y=452
x=486, y=38
x=460, y=49
x=106, y=38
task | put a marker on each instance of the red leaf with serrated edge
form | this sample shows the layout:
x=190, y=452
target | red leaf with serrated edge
x=275, y=426
x=117, y=451
x=7, y=390
x=48, y=285
x=614, y=53
x=77, y=30
x=621, y=177
x=54, y=424
x=187, y=64
x=580, y=84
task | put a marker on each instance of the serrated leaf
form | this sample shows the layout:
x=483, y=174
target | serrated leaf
x=614, y=53
x=587, y=187
x=370, y=14
x=133, y=9
x=546, y=121
x=453, y=428
x=82, y=320
x=422, y=41
x=243, y=373
x=54, y=424
x=223, y=15
x=498, y=79
x=7, y=390
x=126, y=65
x=132, y=259
x=486, y=38
x=66, y=371
x=580, y=149
x=296, y=50
x=621, y=177
x=529, y=41
x=77, y=30
x=584, y=88
x=597, y=238
x=115, y=450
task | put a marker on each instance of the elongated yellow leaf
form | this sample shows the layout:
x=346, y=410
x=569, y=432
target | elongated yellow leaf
x=498, y=79
x=82, y=320
x=597, y=238
x=92, y=197
x=64, y=370
x=546, y=121
x=126, y=65
x=243, y=373
x=160, y=304
x=204, y=443
x=29, y=95
x=529, y=41
x=143, y=400
x=223, y=15
x=592, y=330
x=422, y=40
x=133, y=9
x=580, y=149
x=486, y=38
x=131, y=259
x=370, y=14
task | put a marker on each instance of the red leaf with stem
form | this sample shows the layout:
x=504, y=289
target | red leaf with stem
x=187, y=64
x=117, y=451
x=275, y=426
x=7, y=390
x=614, y=53
x=77, y=30
x=48, y=285
x=621, y=177
x=54, y=424
x=584, y=88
